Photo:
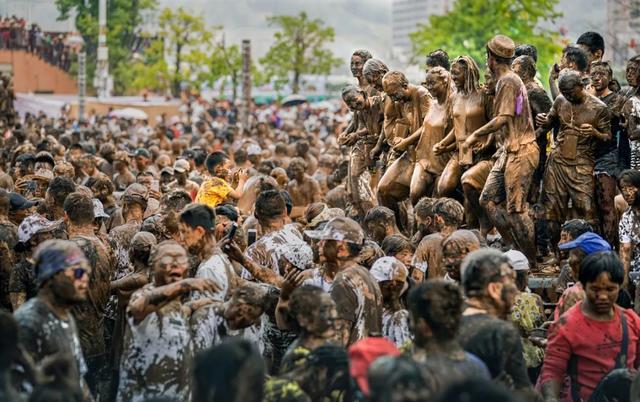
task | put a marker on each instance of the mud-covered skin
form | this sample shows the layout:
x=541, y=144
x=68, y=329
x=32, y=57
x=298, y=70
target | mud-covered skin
x=359, y=304
x=90, y=314
x=569, y=171
x=157, y=351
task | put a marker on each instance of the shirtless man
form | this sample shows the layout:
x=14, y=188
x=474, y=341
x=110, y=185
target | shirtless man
x=583, y=120
x=366, y=126
x=304, y=189
x=510, y=177
x=405, y=109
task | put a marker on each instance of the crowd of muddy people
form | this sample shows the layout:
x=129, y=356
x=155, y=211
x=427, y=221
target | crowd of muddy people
x=474, y=237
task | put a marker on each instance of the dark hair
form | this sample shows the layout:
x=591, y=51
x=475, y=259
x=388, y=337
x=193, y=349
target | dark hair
x=227, y=210
x=303, y=300
x=451, y=211
x=578, y=56
x=596, y=263
x=480, y=268
x=362, y=53
x=199, y=156
x=424, y=208
x=28, y=159
x=288, y=201
x=576, y=227
x=59, y=188
x=199, y=215
x=631, y=176
x=396, y=243
x=217, y=372
x=527, y=50
x=175, y=200
x=379, y=214
x=214, y=160
x=269, y=205
x=592, y=40
x=605, y=65
x=79, y=209
x=438, y=58
x=398, y=378
x=240, y=156
x=440, y=304
x=528, y=66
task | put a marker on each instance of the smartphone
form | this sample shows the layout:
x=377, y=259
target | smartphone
x=252, y=235
x=231, y=231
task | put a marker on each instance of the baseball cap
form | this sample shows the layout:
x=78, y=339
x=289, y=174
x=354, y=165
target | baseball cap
x=502, y=46
x=363, y=353
x=517, y=260
x=18, y=202
x=167, y=170
x=389, y=269
x=588, y=242
x=181, y=166
x=34, y=224
x=54, y=256
x=341, y=229
x=98, y=209
x=136, y=192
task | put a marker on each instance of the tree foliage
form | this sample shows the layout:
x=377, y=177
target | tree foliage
x=298, y=48
x=471, y=23
x=124, y=19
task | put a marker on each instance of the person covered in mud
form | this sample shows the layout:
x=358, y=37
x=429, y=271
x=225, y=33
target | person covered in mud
x=455, y=248
x=197, y=228
x=504, y=196
x=90, y=313
x=469, y=167
x=357, y=62
x=582, y=120
x=360, y=136
x=405, y=109
x=392, y=277
x=304, y=189
x=436, y=124
x=447, y=215
x=46, y=326
x=355, y=292
x=631, y=112
x=311, y=313
x=157, y=353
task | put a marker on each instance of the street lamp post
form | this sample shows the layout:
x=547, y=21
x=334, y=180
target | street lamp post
x=76, y=43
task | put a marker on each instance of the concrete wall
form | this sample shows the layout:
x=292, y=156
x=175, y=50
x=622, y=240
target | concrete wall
x=33, y=75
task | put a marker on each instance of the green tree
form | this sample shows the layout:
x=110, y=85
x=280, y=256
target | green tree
x=299, y=49
x=183, y=33
x=124, y=18
x=471, y=23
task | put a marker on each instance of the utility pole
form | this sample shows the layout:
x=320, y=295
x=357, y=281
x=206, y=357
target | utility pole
x=102, y=81
x=82, y=83
x=246, y=83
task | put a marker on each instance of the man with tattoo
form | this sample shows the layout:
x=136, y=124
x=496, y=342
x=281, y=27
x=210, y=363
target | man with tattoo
x=157, y=350
x=504, y=197
x=355, y=292
x=46, y=325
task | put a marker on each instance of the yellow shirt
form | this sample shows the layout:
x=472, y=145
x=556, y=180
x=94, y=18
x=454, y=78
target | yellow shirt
x=213, y=192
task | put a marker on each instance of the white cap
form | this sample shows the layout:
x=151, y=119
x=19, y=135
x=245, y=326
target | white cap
x=518, y=261
x=389, y=269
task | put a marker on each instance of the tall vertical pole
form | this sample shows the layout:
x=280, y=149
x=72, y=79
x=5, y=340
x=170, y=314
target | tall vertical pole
x=102, y=72
x=82, y=82
x=246, y=83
